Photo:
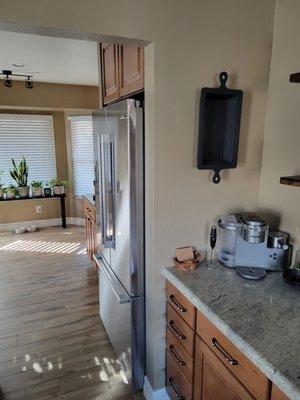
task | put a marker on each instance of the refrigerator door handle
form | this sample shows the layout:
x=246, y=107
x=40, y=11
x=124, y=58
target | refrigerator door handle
x=113, y=282
x=108, y=191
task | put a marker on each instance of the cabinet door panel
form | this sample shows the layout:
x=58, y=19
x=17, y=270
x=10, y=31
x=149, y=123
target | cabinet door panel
x=110, y=72
x=213, y=380
x=243, y=369
x=277, y=394
x=131, y=69
x=93, y=234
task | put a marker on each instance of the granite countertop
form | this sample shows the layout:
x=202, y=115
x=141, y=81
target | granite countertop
x=90, y=198
x=262, y=318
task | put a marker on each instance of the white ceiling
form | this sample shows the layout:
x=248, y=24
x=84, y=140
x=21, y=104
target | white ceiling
x=50, y=59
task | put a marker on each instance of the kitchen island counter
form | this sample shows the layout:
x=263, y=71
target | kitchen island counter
x=261, y=318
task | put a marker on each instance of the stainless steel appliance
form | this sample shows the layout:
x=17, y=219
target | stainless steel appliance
x=246, y=244
x=119, y=191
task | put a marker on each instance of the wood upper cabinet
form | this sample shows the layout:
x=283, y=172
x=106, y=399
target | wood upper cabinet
x=213, y=381
x=277, y=394
x=131, y=69
x=110, y=72
x=122, y=71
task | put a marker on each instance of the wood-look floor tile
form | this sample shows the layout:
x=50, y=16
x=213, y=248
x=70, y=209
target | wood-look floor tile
x=41, y=391
x=7, y=342
x=53, y=345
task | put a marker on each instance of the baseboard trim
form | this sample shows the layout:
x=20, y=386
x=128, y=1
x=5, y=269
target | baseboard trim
x=75, y=221
x=150, y=394
x=42, y=223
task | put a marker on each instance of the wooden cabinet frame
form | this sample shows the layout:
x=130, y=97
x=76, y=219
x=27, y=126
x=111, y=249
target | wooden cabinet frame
x=122, y=71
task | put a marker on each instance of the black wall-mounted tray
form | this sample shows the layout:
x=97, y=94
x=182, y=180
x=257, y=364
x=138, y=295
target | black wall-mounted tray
x=219, y=128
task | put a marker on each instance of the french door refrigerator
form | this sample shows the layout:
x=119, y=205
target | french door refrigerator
x=118, y=132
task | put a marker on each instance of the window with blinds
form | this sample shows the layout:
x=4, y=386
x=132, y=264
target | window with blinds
x=29, y=136
x=82, y=154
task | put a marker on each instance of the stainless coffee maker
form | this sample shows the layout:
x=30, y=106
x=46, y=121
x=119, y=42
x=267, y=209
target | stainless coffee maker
x=246, y=244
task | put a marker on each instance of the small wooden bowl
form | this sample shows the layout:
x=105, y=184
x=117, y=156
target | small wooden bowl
x=190, y=264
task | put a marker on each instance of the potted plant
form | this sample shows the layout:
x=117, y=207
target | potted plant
x=20, y=175
x=1, y=186
x=37, y=188
x=58, y=186
x=11, y=192
x=47, y=190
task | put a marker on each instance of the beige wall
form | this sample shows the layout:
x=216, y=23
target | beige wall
x=50, y=96
x=281, y=155
x=193, y=41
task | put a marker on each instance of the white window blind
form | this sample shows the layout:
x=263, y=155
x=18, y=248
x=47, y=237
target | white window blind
x=29, y=136
x=82, y=154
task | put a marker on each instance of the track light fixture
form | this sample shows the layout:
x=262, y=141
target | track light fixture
x=28, y=83
x=8, y=81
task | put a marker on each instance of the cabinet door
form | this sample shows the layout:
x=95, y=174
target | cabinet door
x=233, y=359
x=131, y=69
x=88, y=237
x=277, y=394
x=109, y=72
x=213, y=380
x=93, y=236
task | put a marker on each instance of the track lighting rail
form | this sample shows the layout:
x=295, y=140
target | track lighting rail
x=8, y=80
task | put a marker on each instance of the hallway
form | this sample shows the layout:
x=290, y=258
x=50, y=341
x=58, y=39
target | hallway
x=52, y=342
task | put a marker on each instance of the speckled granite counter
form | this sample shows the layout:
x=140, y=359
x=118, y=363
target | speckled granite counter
x=262, y=318
x=90, y=198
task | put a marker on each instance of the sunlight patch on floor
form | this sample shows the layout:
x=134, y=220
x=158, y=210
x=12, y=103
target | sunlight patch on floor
x=45, y=247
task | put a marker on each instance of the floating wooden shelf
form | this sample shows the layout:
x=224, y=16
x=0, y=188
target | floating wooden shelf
x=295, y=77
x=290, y=180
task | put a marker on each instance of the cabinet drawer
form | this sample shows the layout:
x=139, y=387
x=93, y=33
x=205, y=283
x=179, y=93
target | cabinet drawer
x=177, y=385
x=180, y=329
x=240, y=366
x=181, y=357
x=182, y=305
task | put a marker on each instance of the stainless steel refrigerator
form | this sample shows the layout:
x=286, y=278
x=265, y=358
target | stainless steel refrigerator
x=118, y=132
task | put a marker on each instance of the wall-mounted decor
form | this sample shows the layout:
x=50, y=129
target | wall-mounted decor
x=219, y=128
x=295, y=77
x=8, y=80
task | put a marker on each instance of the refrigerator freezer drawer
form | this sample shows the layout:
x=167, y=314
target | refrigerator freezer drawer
x=123, y=320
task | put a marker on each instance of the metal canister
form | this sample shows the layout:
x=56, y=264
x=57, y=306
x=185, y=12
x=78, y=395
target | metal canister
x=254, y=228
x=278, y=239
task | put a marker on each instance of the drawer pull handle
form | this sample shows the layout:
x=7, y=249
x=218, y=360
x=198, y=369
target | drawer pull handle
x=176, y=356
x=177, y=304
x=177, y=392
x=223, y=352
x=176, y=330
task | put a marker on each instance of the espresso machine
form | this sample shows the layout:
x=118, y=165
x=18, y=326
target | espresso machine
x=245, y=243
